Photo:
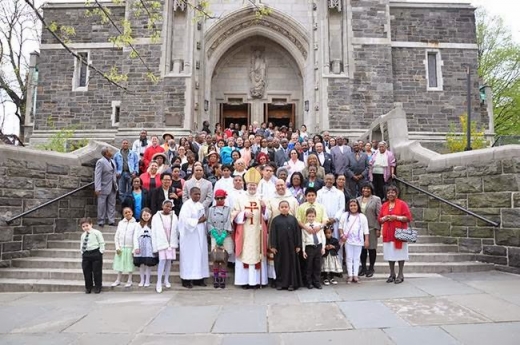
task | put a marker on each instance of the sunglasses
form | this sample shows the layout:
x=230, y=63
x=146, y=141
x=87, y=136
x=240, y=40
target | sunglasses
x=220, y=198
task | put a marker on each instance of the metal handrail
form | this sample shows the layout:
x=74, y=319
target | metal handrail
x=9, y=221
x=458, y=207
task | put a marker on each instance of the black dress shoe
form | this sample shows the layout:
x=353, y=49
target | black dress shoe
x=112, y=224
x=202, y=283
x=399, y=280
x=317, y=286
x=290, y=288
x=97, y=290
x=390, y=279
x=279, y=288
x=309, y=286
x=362, y=272
x=87, y=291
x=245, y=287
x=370, y=273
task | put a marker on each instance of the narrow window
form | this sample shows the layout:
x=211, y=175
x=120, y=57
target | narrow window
x=116, y=112
x=432, y=70
x=81, y=71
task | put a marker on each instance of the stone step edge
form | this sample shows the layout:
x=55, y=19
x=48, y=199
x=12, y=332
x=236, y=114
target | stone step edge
x=112, y=242
x=78, y=259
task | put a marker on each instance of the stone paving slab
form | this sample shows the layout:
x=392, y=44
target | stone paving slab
x=101, y=339
x=370, y=314
x=312, y=317
x=38, y=339
x=506, y=287
x=433, y=311
x=184, y=320
x=485, y=334
x=12, y=317
x=374, y=336
x=420, y=335
x=490, y=307
x=53, y=320
x=327, y=294
x=231, y=296
x=443, y=286
x=116, y=319
x=269, y=297
x=251, y=339
x=199, y=339
x=378, y=291
x=242, y=319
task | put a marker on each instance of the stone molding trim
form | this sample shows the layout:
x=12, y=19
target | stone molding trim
x=245, y=18
x=434, y=45
x=97, y=45
x=80, y=4
x=459, y=4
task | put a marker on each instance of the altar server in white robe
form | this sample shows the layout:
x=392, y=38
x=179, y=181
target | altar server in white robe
x=251, y=235
x=193, y=243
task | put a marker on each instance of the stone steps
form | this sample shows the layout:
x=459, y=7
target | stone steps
x=61, y=285
x=58, y=267
x=413, y=248
x=72, y=259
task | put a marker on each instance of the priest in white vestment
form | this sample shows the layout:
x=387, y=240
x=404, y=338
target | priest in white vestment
x=251, y=235
x=193, y=243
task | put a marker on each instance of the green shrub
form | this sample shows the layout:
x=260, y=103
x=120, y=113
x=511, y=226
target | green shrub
x=456, y=139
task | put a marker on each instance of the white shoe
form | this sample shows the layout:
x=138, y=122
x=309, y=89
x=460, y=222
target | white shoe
x=116, y=283
x=158, y=288
x=141, y=284
x=167, y=285
x=147, y=284
x=128, y=284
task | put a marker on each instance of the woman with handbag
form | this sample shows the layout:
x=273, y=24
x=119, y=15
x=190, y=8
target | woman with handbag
x=395, y=215
x=219, y=228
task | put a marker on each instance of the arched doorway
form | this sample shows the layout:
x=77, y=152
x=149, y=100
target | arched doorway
x=257, y=80
x=257, y=70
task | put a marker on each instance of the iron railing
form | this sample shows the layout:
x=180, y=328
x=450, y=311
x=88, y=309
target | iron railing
x=447, y=202
x=507, y=140
x=9, y=221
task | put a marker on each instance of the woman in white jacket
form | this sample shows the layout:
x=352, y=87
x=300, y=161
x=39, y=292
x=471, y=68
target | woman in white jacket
x=124, y=241
x=165, y=240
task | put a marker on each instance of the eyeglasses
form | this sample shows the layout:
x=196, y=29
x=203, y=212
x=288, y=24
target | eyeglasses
x=219, y=198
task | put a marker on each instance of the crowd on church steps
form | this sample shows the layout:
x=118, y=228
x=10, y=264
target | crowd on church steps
x=279, y=206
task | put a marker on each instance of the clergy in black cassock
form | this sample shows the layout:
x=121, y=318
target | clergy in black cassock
x=285, y=242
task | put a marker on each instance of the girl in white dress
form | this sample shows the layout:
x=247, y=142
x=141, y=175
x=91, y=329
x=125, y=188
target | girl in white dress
x=165, y=240
x=353, y=230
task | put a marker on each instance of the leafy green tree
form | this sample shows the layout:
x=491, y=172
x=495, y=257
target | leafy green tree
x=499, y=68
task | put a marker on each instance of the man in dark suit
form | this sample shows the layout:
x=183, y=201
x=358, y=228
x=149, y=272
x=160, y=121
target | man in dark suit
x=282, y=155
x=164, y=192
x=357, y=169
x=339, y=155
x=324, y=158
x=105, y=186
x=305, y=152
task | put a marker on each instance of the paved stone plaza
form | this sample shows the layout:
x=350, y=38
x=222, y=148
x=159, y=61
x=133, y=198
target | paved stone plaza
x=473, y=308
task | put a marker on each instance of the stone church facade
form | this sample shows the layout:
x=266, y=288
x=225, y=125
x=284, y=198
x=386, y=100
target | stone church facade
x=330, y=64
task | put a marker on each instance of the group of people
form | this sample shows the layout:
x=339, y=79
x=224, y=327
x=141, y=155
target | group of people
x=286, y=212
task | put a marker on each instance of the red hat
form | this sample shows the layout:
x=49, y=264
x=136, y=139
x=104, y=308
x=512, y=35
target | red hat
x=220, y=193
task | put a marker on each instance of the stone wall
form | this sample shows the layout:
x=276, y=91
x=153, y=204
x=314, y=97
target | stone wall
x=490, y=189
x=434, y=111
x=29, y=178
x=485, y=181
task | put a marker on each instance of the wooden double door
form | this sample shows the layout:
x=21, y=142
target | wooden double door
x=279, y=115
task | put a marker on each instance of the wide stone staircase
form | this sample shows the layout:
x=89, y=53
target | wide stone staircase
x=58, y=267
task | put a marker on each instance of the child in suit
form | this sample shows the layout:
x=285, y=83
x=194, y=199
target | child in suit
x=92, y=246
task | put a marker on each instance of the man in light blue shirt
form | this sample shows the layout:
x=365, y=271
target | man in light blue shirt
x=127, y=167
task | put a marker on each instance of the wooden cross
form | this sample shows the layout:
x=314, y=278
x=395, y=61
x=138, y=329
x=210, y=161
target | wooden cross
x=253, y=205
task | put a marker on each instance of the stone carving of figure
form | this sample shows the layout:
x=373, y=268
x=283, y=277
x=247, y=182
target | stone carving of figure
x=258, y=74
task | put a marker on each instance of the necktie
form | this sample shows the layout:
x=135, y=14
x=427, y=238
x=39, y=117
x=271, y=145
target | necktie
x=315, y=237
x=85, y=243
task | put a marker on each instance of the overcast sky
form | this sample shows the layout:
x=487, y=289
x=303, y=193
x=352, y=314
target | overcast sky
x=508, y=9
